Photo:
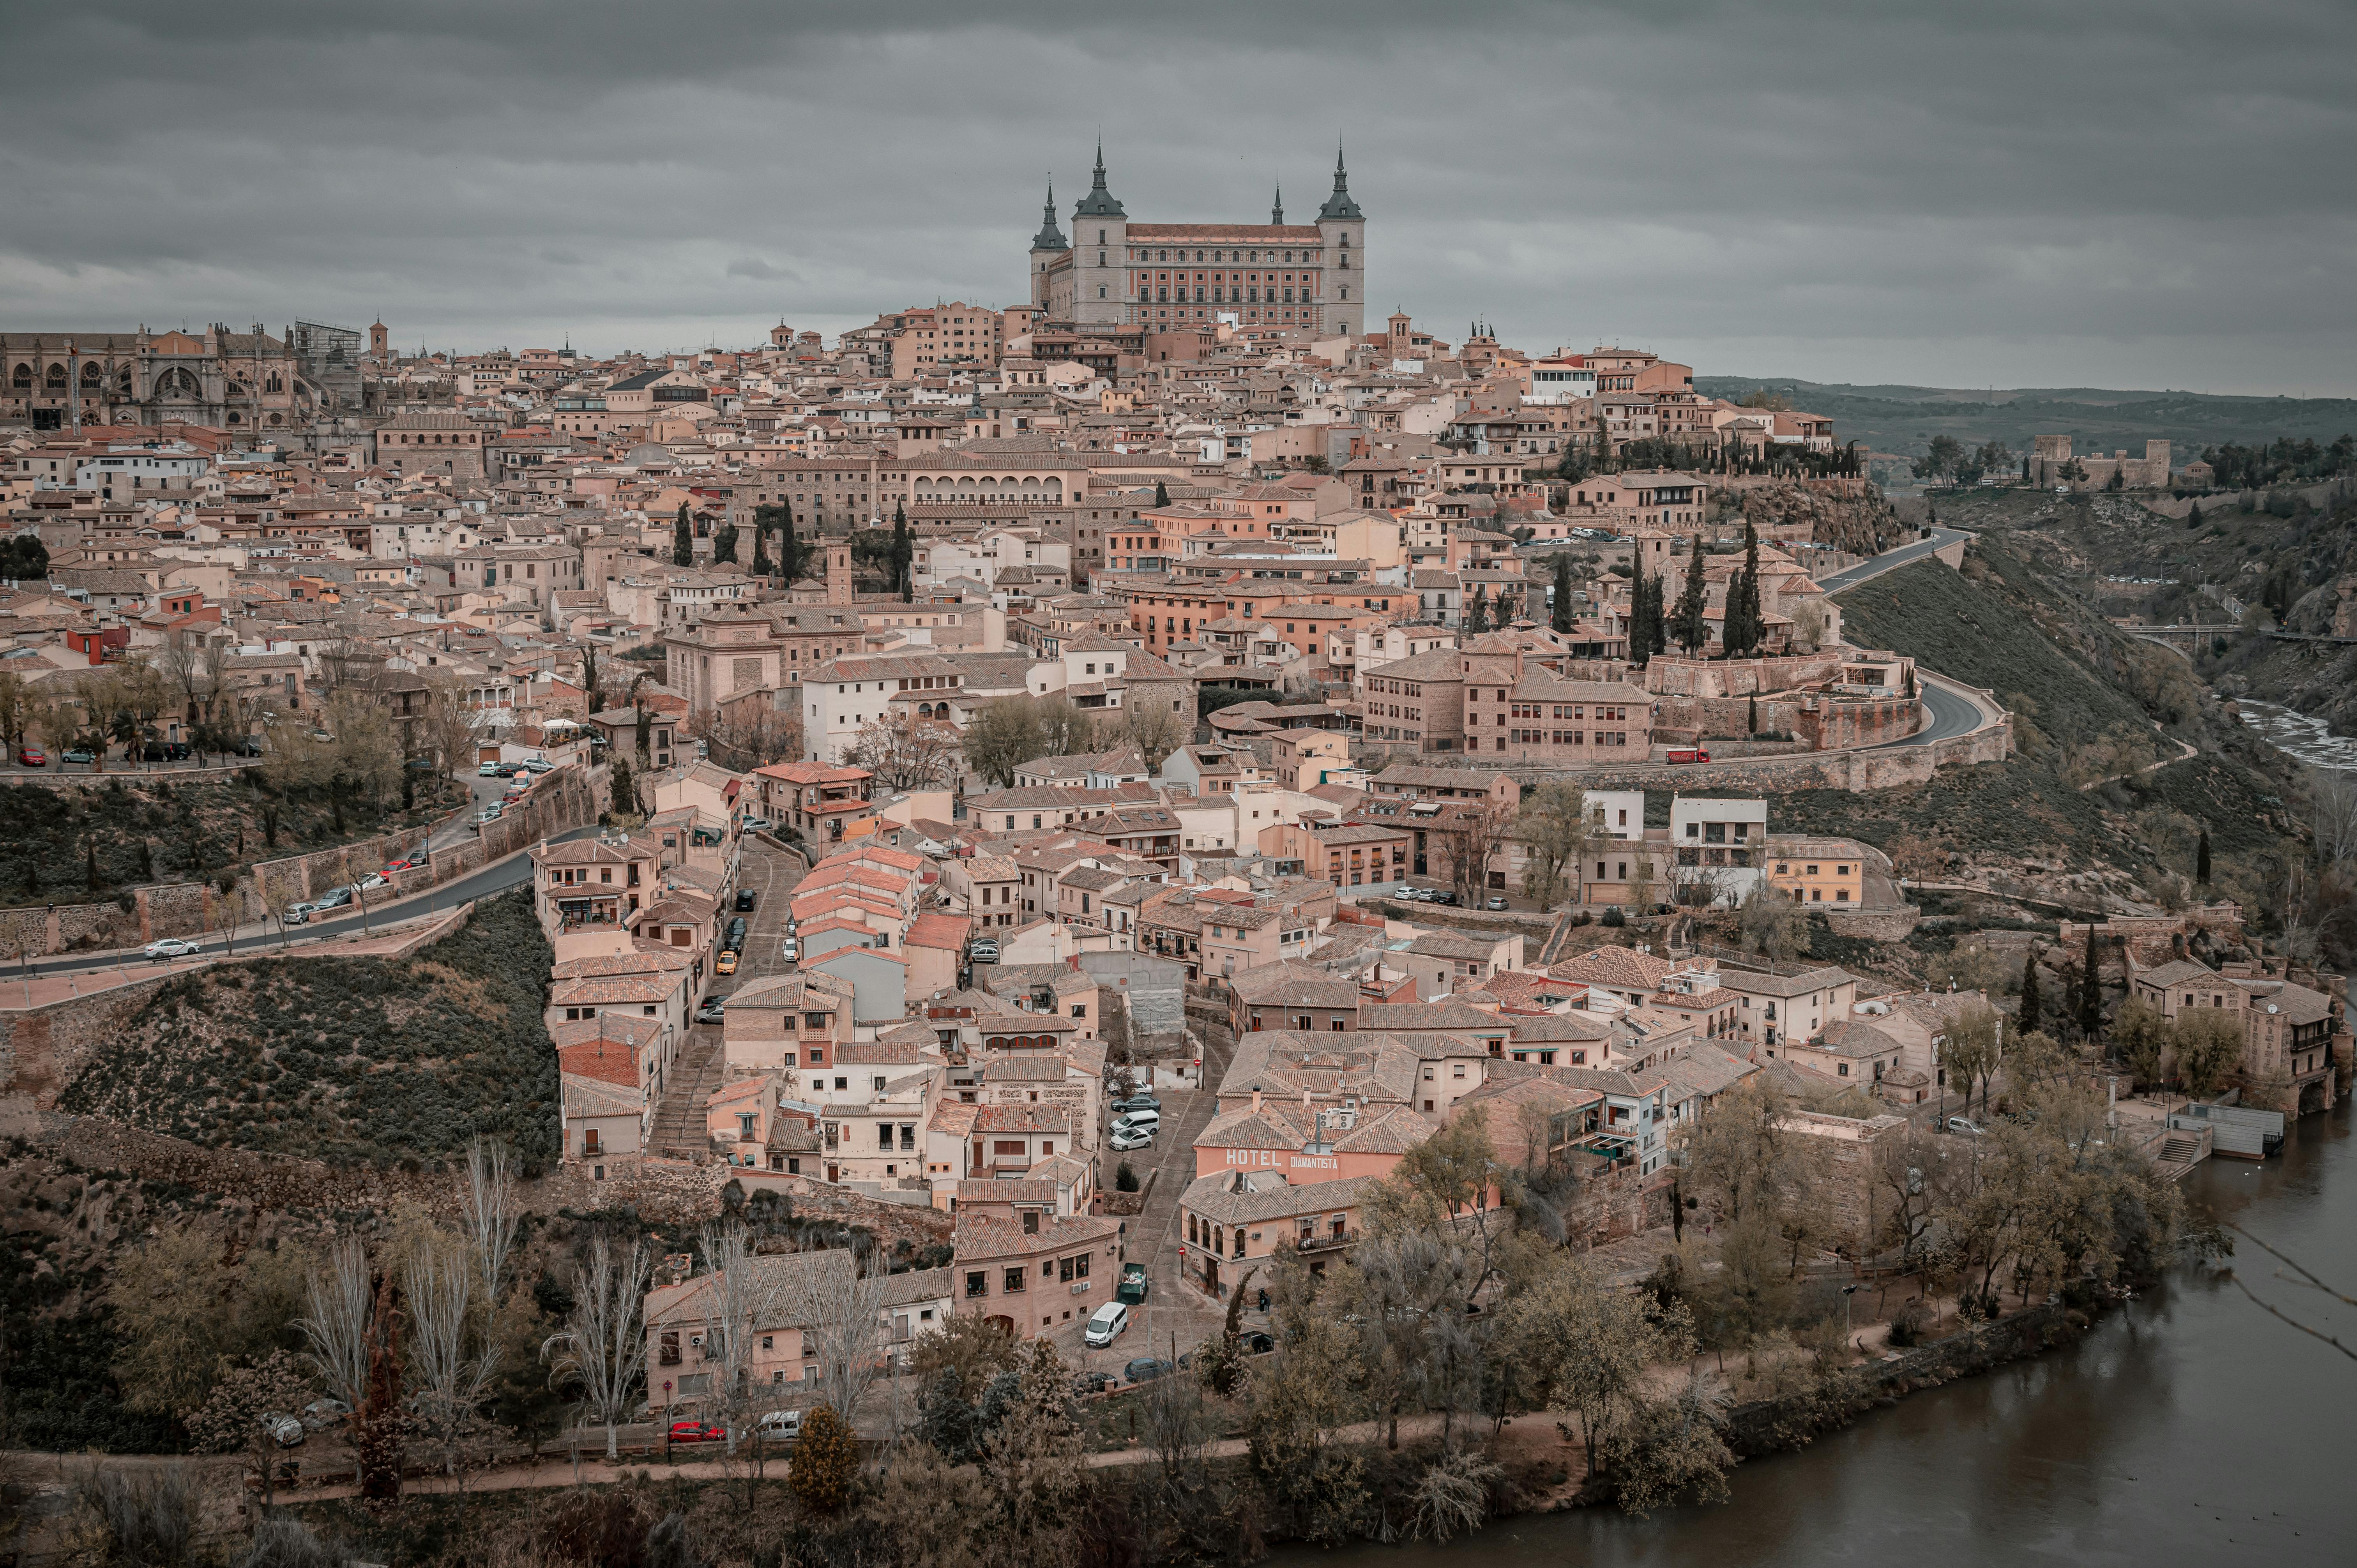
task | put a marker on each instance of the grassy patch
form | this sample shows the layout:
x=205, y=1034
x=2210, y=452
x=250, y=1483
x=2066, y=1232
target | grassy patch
x=350, y=1061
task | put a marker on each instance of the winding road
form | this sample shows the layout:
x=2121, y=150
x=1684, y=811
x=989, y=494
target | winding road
x=1891, y=560
x=497, y=877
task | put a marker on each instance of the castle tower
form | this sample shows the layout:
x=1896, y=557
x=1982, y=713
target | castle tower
x=1344, y=230
x=1100, y=238
x=839, y=571
x=1276, y=209
x=1402, y=340
x=1046, y=246
x=380, y=343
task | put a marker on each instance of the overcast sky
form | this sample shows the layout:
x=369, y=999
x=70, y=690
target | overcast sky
x=2126, y=195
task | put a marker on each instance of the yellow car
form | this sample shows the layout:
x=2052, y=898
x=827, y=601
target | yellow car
x=727, y=964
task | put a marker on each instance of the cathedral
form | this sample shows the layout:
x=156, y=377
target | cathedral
x=1112, y=271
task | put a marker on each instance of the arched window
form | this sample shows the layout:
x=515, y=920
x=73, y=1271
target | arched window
x=56, y=377
x=90, y=374
x=24, y=375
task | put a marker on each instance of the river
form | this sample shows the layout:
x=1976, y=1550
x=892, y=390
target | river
x=2187, y=1427
x=2303, y=736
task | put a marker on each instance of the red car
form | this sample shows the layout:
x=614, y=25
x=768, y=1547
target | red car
x=32, y=757
x=697, y=1431
x=1689, y=754
x=391, y=866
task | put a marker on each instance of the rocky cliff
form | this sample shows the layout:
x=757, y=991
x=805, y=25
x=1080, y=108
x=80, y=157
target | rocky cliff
x=1862, y=525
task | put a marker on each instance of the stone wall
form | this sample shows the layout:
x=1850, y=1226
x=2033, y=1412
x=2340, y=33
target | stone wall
x=1836, y=723
x=43, y=1048
x=1853, y=1150
x=1873, y=925
x=1672, y=677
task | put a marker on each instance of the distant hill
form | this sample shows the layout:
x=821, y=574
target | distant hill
x=1904, y=419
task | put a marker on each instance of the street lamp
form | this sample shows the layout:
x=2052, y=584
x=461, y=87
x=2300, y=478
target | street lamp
x=1847, y=1291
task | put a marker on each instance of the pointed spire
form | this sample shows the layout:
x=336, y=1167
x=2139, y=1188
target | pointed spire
x=1050, y=237
x=1099, y=203
x=1276, y=207
x=1338, y=207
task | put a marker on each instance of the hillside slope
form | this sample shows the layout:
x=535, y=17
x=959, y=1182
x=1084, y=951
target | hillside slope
x=347, y=1060
x=2093, y=708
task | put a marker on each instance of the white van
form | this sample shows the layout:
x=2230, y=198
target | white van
x=1110, y=1320
x=781, y=1425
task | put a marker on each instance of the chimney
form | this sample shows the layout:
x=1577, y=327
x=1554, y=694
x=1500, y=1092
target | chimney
x=1255, y=1099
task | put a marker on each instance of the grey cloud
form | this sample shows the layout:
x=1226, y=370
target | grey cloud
x=755, y=267
x=2008, y=191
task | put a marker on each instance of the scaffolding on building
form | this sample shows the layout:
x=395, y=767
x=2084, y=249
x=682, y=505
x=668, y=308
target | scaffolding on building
x=330, y=359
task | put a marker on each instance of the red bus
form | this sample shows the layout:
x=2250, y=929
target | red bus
x=1688, y=754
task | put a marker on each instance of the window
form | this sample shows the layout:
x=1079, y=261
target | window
x=1014, y=1282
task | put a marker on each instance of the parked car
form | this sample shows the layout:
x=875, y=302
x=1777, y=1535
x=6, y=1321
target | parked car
x=80, y=756
x=1148, y=1120
x=791, y=951
x=490, y=814
x=286, y=1430
x=781, y=1426
x=333, y=899
x=320, y=1414
x=1094, y=1382
x=757, y=824
x=297, y=915
x=1415, y=895
x=715, y=1009
x=1257, y=1342
x=1133, y=1284
x=984, y=950
x=31, y=757
x=1146, y=1369
x=1142, y=1101
x=506, y=770
x=726, y=963
x=538, y=765
x=745, y=897
x=171, y=947
x=1966, y=1124
x=1124, y=1139
x=697, y=1431
x=1442, y=896
x=407, y=863
x=1494, y=902
x=1107, y=1324
x=372, y=881
x=490, y=770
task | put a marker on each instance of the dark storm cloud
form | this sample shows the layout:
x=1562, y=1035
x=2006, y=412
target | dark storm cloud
x=2107, y=193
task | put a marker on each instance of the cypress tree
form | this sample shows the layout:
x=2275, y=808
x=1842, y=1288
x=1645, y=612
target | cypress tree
x=1161, y=494
x=904, y=551
x=789, y=562
x=2091, y=990
x=1692, y=629
x=723, y=544
x=2029, y=1010
x=2201, y=858
x=1561, y=617
x=1755, y=713
x=2194, y=518
x=682, y=540
x=1476, y=610
x=760, y=542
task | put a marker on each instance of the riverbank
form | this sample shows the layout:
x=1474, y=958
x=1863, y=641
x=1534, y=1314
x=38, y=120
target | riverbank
x=2182, y=1426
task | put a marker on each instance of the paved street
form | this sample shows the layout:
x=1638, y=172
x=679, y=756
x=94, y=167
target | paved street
x=1890, y=560
x=1172, y=1306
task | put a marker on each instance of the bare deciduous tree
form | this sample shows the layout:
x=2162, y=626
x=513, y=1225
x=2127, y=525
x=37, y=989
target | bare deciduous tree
x=602, y=1349
x=447, y=1383
x=842, y=1310
x=490, y=1217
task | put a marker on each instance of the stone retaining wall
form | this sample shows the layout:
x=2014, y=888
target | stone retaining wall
x=1874, y=924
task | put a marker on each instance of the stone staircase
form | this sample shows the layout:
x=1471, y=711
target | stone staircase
x=2177, y=1154
x=678, y=1133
